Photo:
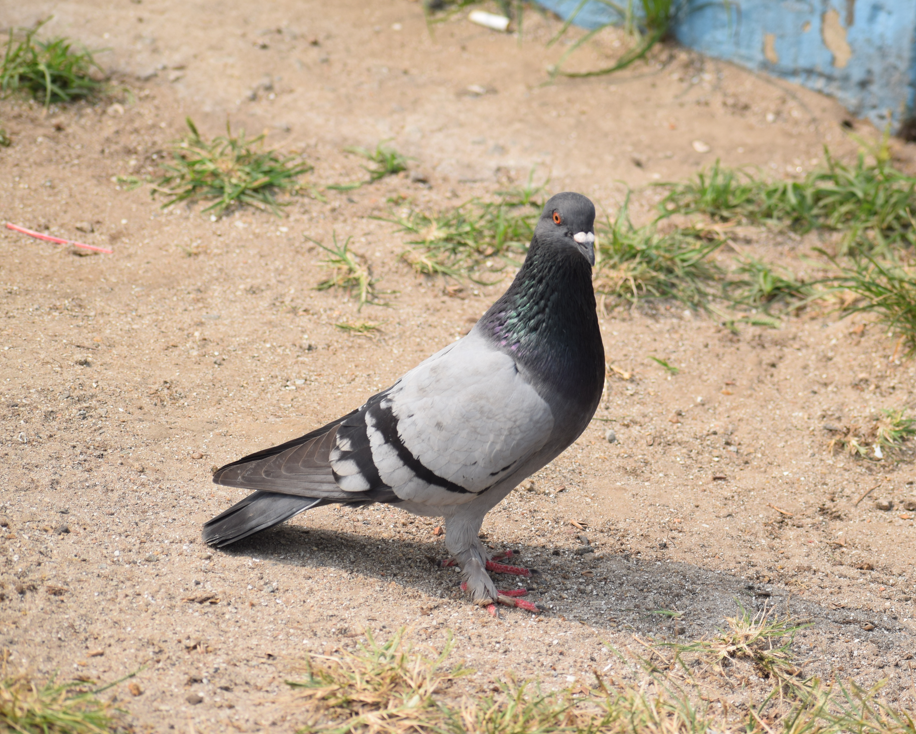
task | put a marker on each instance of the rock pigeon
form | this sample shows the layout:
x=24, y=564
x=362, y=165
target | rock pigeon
x=459, y=431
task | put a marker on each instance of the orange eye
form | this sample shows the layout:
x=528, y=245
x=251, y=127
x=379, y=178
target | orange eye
x=557, y=219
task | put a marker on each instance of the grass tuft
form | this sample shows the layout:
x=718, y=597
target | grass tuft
x=50, y=71
x=52, y=708
x=382, y=687
x=634, y=263
x=670, y=369
x=348, y=271
x=388, y=162
x=756, y=284
x=888, y=290
x=477, y=234
x=885, y=433
x=229, y=171
x=760, y=638
x=651, y=26
x=363, y=328
x=387, y=688
x=871, y=204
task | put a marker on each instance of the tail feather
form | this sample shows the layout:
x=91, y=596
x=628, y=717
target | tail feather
x=256, y=512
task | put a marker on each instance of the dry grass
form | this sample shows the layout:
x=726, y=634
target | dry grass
x=28, y=707
x=885, y=434
x=387, y=688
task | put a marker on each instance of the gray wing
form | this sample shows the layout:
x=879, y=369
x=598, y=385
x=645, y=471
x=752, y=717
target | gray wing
x=451, y=428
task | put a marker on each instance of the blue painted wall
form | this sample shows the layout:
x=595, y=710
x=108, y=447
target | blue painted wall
x=863, y=52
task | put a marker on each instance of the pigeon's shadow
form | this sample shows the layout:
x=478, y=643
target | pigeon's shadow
x=614, y=592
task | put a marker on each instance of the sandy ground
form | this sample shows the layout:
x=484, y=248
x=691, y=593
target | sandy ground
x=126, y=378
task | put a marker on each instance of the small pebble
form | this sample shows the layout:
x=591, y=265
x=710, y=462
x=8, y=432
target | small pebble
x=135, y=689
x=194, y=698
x=884, y=505
x=610, y=436
x=909, y=505
x=583, y=549
x=62, y=529
x=197, y=455
x=700, y=147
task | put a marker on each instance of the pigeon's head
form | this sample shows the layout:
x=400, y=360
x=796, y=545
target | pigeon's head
x=569, y=219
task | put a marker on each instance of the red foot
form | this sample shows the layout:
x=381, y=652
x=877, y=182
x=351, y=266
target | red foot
x=504, y=568
x=509, y=598
x=494, y=565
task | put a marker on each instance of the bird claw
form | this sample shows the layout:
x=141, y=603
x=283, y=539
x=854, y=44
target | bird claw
x=509, y=598
x=505, y=568
x=512, y=601
x=493, y=564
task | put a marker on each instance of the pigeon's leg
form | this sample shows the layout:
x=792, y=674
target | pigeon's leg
x=462, y=541
x=494, y=565
x=508, y=597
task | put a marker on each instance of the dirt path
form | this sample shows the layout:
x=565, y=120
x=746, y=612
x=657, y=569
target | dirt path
x=125, y=378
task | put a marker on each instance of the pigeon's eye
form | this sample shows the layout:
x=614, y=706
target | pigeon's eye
x=557, y=219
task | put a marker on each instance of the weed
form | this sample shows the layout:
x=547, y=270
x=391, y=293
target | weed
x=886, y=432
x=51, y=71
x=759, y=638
x=5, y=140
x=870, y=203
x=228, y=170
x=671, y=370
x=637, y=262
x=389, y=689
x=348, y=271
x=649, y=27
x=129, y=183
x=387, y=163
x=760, y=285
x=382, y=687
x=888, y=290
x=364, y=328
x=52, y=708
x=476, y=234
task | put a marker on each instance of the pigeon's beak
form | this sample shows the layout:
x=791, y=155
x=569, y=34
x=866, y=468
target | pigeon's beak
x=586, y=242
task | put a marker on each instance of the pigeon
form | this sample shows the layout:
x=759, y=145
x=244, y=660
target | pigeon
x=454, y=435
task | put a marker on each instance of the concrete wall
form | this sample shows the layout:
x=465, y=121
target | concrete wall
x=863, y=52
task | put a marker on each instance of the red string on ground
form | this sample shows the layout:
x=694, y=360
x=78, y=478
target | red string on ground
x=56, y=240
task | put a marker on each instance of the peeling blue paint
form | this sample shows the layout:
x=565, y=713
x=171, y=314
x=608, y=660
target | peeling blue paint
x=863, y=52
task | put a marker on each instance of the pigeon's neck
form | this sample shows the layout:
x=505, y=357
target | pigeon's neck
x=547, y=321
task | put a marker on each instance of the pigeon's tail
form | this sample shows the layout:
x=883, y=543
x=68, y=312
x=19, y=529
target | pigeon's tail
x=256, y=512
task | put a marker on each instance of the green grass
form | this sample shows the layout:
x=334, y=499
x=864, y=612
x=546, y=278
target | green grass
x=363, y=328
x=756, y=284
x=50, y=71
x=885, y=433
x=5, y=141
x=869, y=203
x=669, y=368
x=650, y=26
x=387, y=162
x=634, y=263
x=762, y=639
x=477, y=234
x=348, y=271
x=390, y=688
x=886, y=289
x=228, y=171
x=52, y=708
